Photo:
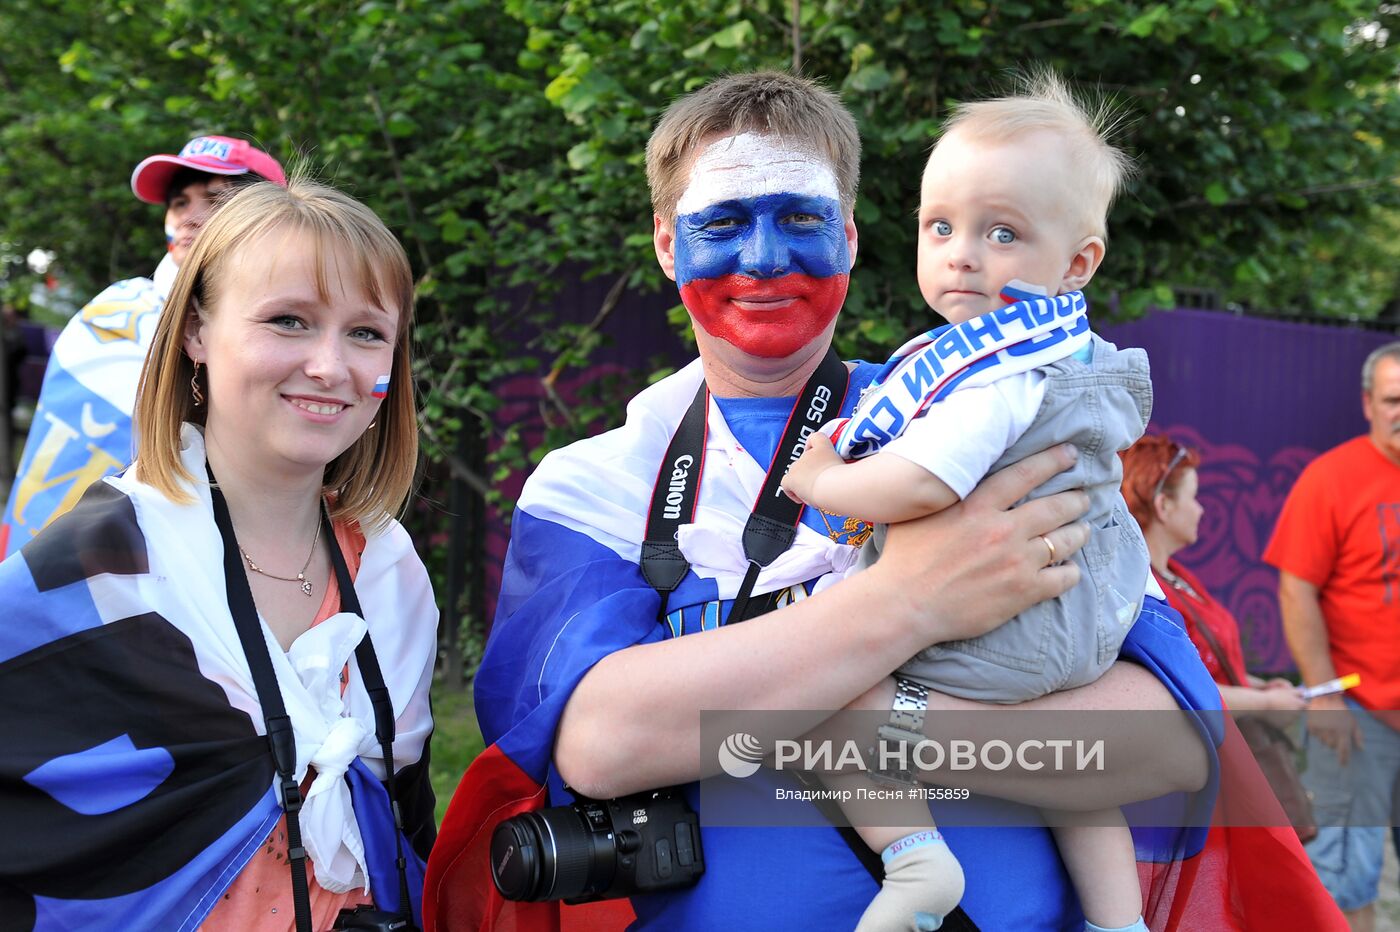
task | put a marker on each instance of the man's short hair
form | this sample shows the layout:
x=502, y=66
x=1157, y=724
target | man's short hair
x=801, y=112
x=185, y=177
x=1043, y=101
x=1368, y=368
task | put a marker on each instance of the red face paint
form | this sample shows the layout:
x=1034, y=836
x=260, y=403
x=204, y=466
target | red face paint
x=767, y=317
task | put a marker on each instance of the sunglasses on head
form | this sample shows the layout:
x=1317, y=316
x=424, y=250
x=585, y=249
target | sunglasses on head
x=1176, y=459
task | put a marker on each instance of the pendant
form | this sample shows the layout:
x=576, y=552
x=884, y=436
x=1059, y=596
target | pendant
x=305, y=584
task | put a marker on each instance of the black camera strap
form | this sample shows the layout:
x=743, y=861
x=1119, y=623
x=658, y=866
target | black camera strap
x=772, y=525
x=673, y=499
x=280, y=736
x=382, y=703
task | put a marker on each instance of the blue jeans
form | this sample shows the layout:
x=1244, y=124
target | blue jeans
x=1353, y=806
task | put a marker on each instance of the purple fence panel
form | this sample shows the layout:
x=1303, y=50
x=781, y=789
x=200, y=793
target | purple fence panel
x=637, y=333
x=1260, y=399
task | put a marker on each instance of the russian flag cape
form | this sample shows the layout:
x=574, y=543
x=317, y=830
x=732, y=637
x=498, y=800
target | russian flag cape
x=136, y=782
x=82, y=425
x=572, y=593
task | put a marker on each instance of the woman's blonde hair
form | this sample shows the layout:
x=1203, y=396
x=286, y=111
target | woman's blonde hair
x=370, y=481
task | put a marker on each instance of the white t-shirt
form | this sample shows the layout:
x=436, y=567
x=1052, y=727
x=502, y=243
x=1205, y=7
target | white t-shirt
x=960, y=437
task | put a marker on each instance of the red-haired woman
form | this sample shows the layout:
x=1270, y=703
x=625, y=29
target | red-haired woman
x=1159, y=485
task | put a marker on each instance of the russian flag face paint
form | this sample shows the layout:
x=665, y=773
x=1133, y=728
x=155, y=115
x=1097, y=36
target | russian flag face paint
x=381, y=387
x=762, y=259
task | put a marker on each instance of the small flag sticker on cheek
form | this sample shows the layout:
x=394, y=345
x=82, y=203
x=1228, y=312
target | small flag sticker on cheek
x=381, y=387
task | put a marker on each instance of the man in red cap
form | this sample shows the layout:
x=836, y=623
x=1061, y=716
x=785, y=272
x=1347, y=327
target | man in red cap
x=208, y=167
x=82, y=425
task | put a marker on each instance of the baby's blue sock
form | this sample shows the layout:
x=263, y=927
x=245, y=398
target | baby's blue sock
x=1138, y=926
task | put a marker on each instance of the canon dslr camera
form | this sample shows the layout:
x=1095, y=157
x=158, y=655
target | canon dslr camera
x=599, y=849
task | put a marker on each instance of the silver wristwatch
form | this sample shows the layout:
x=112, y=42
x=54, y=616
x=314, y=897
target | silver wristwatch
x=906, y=726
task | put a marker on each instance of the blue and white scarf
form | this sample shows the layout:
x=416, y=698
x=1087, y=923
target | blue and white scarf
x=1031, y=331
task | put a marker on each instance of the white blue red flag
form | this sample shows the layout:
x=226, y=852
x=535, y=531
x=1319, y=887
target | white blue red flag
x=135, y=782
x=82, y=425
x=1032, y=330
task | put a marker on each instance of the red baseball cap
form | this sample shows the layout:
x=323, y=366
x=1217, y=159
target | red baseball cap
x=217, y=155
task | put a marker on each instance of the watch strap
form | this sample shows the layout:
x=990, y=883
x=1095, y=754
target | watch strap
x=906, y=726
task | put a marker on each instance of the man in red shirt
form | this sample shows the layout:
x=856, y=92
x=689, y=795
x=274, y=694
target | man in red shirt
x=1337, y=549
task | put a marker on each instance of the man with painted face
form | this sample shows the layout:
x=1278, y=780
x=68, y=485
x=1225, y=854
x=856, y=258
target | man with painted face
x=594, y=679
x=82, y=425
x=760, y=248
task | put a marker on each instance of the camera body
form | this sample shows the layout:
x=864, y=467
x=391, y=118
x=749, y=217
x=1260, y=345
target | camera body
x=599, y=849
x=378, y=920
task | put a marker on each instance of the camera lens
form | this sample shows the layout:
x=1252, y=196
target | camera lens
x=551, y=855
x=515, y=858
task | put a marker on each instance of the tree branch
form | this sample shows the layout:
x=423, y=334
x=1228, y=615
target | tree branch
x=1043, y=24
x=410, y=210
x=604, y=311
x=549, y=382
x=454, y=463
x=796, y=36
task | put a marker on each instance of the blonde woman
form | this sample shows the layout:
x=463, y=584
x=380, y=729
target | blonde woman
x=244, y=578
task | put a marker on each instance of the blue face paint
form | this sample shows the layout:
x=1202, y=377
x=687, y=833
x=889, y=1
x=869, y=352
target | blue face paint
x=763, y=237
x=767, y=274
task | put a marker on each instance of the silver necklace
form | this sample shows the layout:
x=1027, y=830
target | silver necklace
x=300, y=577
x=1176, y=582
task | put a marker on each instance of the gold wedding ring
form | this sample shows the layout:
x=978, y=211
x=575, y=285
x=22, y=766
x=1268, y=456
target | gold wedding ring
x=1051, y=547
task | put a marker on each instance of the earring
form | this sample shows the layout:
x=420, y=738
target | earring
x=194, y=387
x=371, y=424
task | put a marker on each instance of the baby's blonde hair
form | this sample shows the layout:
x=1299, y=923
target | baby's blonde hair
x=1043, y=101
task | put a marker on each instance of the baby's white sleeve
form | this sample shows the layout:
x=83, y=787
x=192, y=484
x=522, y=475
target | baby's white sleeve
x=959, y=438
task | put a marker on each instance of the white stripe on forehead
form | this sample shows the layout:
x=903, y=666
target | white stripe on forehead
x=752, y=165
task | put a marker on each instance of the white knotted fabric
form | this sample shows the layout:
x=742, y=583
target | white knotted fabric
x=328, y=739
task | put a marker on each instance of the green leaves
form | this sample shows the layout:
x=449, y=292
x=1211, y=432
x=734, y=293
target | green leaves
x=1149, y=20
x=1294, y=60
x=401, y=125
x=730, y=37
x=582, y=155
x=872, y=77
